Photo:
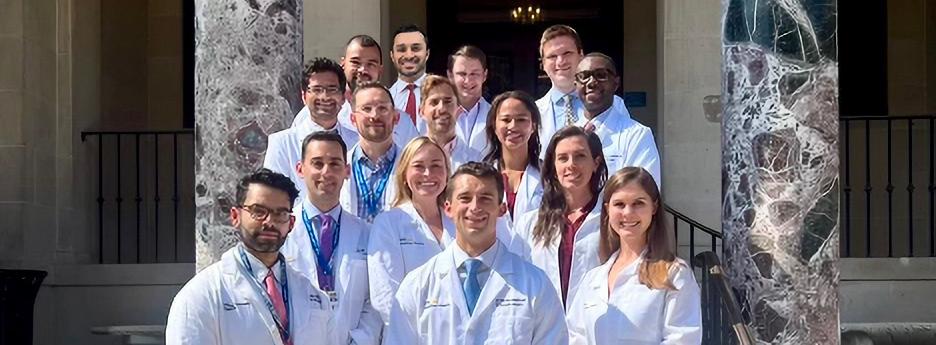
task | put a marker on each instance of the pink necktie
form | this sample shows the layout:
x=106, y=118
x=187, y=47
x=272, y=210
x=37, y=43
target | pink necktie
x=276, y=297
x=411, y=102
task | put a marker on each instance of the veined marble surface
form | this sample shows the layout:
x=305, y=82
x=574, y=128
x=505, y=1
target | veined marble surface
x=248, y=67
x=780, y=167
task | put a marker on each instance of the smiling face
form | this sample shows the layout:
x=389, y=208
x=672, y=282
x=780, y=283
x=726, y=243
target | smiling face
x=630, y=212
x=513, y=125
x=374, y=115
x=574, y=163
x=323, y=96
x=596, y=84
x=409, y=54
x=469, y=76
x=474, y=207
x=361, y=64
x=560, y=57
x=439, y=109
x=263, y=235
x=426, y=173
x=324, y=170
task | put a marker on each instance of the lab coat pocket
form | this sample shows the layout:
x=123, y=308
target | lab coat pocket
x=311, y=330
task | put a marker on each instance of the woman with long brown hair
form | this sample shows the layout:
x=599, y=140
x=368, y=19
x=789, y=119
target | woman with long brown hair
x=512, y=126
x=643, y=293
x=561, y=237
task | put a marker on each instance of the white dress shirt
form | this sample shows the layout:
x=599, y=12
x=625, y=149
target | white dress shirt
x=634, y=314
x=401, y=96
x=487, y=260
x=471, y=125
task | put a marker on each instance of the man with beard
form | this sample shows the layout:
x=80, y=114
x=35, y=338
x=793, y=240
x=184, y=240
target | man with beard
x=323, y=88
x=476, y=291
x=467, y=68
x=560, y=53
x=362, y=62
x=252, y=296
x=439, y=110
x=409, y=53
x=374, y=159
x=329, y=245
x=625, y=142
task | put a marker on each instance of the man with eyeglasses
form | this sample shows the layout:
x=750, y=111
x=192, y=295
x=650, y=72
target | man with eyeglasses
x=467, y=68
x=323, y=86
x=361, y=63
x=560, y=53
x=252, y=296
x=625, y=142
x=329, y=245
x=374, y=159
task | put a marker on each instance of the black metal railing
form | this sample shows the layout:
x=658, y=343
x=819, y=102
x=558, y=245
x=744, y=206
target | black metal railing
x=887, y=159
x=694, y=229
x=136, y=172
x=722, y=321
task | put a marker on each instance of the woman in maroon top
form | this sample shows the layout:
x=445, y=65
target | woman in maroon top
x=512, y=124
x=562, y=235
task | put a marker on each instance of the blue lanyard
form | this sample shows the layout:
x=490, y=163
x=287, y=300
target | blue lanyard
x=371, y=200
x=320, y=258
x=258, y=287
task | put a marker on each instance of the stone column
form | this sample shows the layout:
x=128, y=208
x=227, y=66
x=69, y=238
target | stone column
x=780, y=166
x=248, y=65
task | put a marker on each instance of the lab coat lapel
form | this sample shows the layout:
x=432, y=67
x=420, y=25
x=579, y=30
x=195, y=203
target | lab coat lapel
x=347, y=241
x=496, y=284
x=244, y=291
x=448, y=272
x=527, y=191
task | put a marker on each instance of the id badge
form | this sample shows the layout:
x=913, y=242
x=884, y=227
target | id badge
x=333, y=299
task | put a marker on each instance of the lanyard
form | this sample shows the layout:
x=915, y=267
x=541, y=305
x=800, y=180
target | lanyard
x=326, y=265
x=258, y=288
x=371, y=200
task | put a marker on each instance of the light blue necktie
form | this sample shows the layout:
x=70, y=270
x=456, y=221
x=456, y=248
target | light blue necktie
x=471, y=286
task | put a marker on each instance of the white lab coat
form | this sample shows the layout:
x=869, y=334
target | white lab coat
x=355, y=319
x=625, y=142
x=635, y=314
x=515, y=306
x=349, y=190
x=403, y=132
x=553, y=118
x=471, y=126
x=284, y=150
x=584, y=254
x=462, y=153
x=400, y=243
x=529, y=194
x=219, y=306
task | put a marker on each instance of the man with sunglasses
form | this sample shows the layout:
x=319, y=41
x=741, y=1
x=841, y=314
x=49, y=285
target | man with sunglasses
x=329, y=245
x=625, y=142
x=323, y=85
x=560, y=52
x=252, y=296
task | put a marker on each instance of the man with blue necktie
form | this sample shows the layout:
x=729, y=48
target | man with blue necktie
x=329, y=245
x=476, y=291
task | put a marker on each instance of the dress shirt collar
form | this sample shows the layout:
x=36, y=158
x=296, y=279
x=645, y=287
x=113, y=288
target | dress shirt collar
x=400, y=85
x=487, y=257
x=384, y=160
x=449, y=147
x=556, y=96
x=313, y=211
x=260, y=270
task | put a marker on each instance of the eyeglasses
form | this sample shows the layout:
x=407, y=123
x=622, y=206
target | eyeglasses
x=318, y=90
x=261, y=213
x=600, y=74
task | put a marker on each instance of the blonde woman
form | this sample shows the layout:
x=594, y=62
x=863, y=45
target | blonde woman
x=643, y=293
x=415, y=229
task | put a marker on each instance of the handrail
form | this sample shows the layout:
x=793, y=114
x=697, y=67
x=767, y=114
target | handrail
x=692, y=222
x=713, y=276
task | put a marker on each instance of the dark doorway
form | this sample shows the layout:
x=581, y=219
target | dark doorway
x=513, y=48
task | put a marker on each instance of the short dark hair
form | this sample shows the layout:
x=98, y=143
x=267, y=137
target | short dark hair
x=557, y=31
x=369, y=85
x=604, y=57
x=478, y=170
x=267, y=178
x=324, y=136
x=366, y=41
x=320, y=65
x=468, y=51
x=411, y=28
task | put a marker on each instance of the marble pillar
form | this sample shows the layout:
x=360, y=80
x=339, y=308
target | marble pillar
x=248, y=66
x=780, y=166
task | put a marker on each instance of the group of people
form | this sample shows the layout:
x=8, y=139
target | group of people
x=423, y=214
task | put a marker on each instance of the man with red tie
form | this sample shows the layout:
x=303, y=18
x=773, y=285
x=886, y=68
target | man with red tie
x=409, y=53
x=252, y=296
x=329, y=245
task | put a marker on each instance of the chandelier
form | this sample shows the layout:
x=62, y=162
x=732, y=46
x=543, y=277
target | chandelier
x=526, y=15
